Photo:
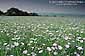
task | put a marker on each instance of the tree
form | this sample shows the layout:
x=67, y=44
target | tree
x=17, y=12
x=1, y=13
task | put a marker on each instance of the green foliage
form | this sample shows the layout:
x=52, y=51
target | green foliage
x=42, y=36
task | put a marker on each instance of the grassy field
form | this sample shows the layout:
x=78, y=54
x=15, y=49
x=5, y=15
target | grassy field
x=42, y=36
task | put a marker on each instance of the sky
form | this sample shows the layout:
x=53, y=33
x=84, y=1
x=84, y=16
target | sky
x=43, y=6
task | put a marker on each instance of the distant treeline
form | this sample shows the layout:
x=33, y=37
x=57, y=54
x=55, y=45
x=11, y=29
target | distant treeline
x=17, y=12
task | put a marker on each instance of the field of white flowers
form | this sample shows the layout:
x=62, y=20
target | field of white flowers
x=42, y=36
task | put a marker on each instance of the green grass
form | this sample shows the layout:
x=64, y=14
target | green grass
x=42, y=36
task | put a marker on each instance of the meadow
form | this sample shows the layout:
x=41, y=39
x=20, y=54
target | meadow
x=42, y=36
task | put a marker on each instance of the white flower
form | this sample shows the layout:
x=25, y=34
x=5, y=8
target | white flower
x=70, y=34
x=81, y=41
x=22, y=43
x=16, y=43
x=53, y=48
x=18, y=38
x=12, y=46
x=67, y=46
x=57, y=31
x=80, y=48
x=32, y=47
x=60, y=47
x=43, y=44
x=11, y=55
x=16, y=35
x=67, y=55
x=83, y=38
x=69, y=38
x=7, y=34
x=79, y=37
x=48, y=48
x=31, y=41
x=77, y=54
x=54, y=44
x=44, y=24
x=39, y=48
x=56, y=47
x=69, y=43
x=50, y=33
x=13, y=38
x=15, y=32
x=47, y=30
x=2, y=31
x=25, y=52
x=33, y=54
x=5, y=44
x=82, y=32
x=29, y=44
x=28, y=54
x=66, y=38
x=51, y=24
x=55, y=53
x=40, y=51
x=73, y=41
